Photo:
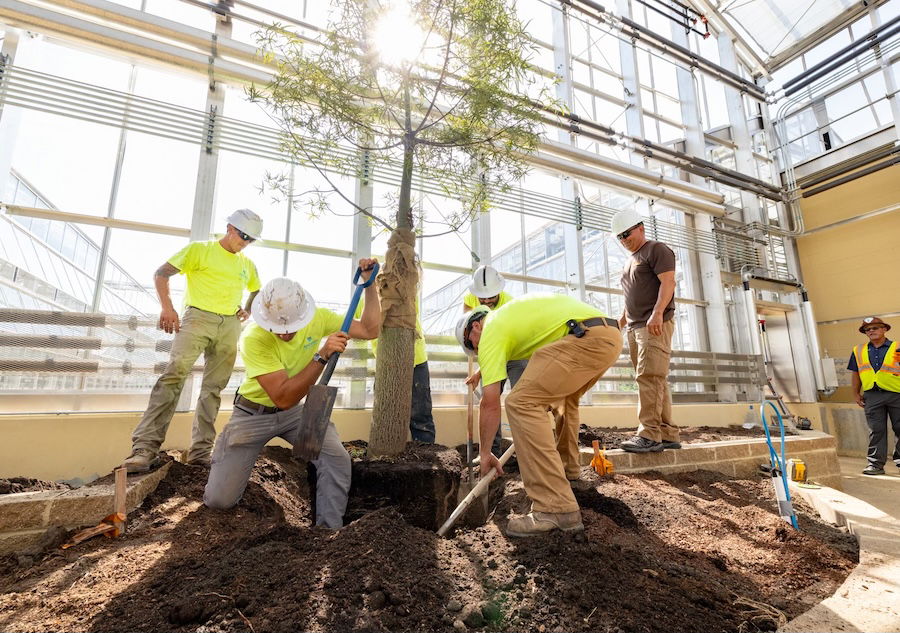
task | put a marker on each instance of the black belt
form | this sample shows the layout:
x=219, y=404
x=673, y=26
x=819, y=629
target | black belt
x=253, y=408
x=579, y=328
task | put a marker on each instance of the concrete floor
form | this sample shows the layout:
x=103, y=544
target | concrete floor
x=882, y=491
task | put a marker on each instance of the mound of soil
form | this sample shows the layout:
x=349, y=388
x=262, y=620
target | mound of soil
x=24, y=484
x=697, y=549
x=614, y=436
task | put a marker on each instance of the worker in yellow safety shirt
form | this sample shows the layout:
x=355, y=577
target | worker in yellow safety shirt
x=487, y=291
x=217, y=274
x=876, y=386
x=569, y=345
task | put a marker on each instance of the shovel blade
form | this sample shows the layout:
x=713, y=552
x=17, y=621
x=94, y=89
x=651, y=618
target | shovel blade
x=314, y=421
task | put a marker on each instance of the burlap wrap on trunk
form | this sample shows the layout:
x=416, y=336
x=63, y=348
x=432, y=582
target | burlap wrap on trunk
x=397, y=281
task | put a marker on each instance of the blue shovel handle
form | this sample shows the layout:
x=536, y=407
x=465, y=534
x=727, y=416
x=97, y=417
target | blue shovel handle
x=357, y=293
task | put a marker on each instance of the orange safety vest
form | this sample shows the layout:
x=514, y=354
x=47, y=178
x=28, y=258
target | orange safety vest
x=888, y=377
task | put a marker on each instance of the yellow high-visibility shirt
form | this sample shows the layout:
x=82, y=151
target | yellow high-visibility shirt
x=420, y=353
x=216, y=278
x=472, y=301
x=522, y=326
x=264, y=353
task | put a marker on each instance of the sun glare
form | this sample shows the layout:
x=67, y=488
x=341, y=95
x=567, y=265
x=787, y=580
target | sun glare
x=397, y=36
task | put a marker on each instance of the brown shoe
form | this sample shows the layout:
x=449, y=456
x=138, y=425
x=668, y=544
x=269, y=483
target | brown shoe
x=140, y=460
x=535, y=523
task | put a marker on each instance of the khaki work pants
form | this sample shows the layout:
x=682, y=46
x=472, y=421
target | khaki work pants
x=215, y=336
x=557, y=374
x=650, y=356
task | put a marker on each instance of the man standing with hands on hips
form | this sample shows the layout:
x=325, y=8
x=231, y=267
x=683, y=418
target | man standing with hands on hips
x=649, y=284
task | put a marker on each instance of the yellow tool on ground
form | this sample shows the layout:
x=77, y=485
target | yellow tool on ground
x=599, y=463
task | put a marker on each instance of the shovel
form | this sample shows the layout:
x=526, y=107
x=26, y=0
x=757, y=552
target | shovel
x=479, y=489
x=468, y=481
x=320, y=399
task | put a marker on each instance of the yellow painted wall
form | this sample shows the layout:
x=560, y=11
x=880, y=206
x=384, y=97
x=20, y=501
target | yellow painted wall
x=85, y=446
x=874, y=191
x=849, y=270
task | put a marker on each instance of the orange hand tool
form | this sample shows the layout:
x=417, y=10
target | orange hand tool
x=599, y=463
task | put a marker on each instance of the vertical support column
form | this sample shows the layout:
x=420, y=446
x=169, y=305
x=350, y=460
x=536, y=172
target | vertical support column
x=572, y=236
x=716, y=322
x=205, y=191
x=481, y=240
x=9, y=116
x=362, y=247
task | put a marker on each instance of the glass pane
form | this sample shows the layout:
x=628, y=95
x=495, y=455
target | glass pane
x=157, y=182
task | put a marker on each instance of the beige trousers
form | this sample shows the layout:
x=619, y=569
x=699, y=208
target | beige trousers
x=216, y=337
x=650, y=356
x=557, y=374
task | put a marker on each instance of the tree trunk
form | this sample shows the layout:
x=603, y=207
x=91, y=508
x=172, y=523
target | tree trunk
x=393, y=371
x=397, y=286
x=393, y=392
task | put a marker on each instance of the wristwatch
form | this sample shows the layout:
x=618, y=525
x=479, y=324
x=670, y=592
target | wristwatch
x=319, y=358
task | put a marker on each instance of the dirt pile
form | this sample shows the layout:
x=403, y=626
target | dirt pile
x=613, y=437
x=696, y=549
x=24, y=484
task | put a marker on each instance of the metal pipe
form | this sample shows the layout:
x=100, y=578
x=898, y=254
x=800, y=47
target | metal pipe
x=666, y=46
x=52, y=340
x=812, y=336
x=841, y=57
x=850, y=177
x=633, y=170
x=48, y=365
x=583, y=171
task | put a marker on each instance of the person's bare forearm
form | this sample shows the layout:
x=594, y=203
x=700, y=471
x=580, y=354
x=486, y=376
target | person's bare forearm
x=295, y=388
x=488, y=423
x=250, y=299
x=162, y=291
x=664, y=296
x=371, y=315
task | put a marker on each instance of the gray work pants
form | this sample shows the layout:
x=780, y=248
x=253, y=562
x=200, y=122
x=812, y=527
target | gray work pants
x=216, y=337
x=240, y=443
x=879, y=406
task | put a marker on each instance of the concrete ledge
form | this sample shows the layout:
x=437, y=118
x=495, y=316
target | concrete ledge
x=25, y=516
x=868, y=599
x=736, y=458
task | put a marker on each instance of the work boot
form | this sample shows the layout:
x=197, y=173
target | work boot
x=204, y=461
x=535, y=523
x=140, y=460
x=675, y=444
x=640, y=444
x=873, y=470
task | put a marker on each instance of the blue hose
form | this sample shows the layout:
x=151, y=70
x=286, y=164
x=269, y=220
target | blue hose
x=777, y=463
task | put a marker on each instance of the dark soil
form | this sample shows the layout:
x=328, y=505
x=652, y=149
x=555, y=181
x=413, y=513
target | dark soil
x=23, y=484
x=691, y=552
x=614, y=436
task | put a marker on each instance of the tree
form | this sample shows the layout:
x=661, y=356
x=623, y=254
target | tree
x=438, y=88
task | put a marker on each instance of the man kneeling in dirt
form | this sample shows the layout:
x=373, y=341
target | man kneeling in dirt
x=570, y=345
x=281, y=361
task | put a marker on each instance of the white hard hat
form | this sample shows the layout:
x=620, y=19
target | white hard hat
x=283, y=306
x=246, y=221
x=486, y=282
x=477, y=313
x=624, y=220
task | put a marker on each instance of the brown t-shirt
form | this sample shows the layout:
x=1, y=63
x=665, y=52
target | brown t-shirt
x=641, y=284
